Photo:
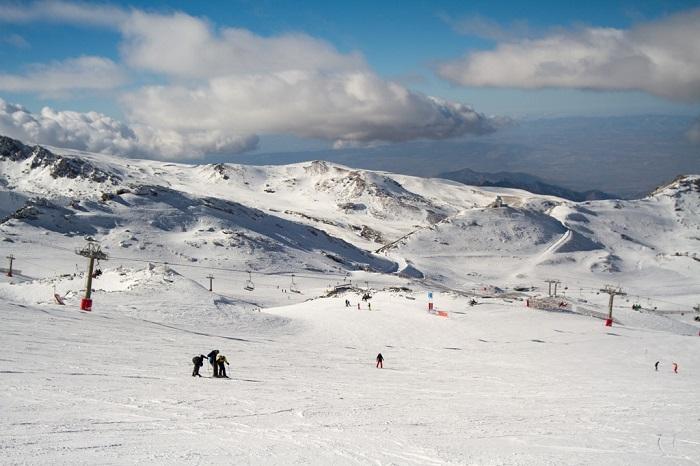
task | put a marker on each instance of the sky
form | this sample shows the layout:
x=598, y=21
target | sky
x=186, y=80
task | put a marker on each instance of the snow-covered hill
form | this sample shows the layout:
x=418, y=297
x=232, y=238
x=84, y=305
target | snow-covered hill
x=319, y=216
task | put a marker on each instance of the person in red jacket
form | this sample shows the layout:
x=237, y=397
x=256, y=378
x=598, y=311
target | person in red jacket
x=380, y=361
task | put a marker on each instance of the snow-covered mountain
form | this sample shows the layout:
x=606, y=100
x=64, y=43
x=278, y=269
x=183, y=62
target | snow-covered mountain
x=320, y=216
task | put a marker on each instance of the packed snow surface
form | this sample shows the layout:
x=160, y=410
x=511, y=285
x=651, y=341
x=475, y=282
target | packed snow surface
x=496, y=383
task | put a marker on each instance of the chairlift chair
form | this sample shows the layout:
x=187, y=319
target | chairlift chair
x=249, y=285
x=97, y=271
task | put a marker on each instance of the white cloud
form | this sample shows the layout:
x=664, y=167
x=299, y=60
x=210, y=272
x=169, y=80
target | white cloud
x=223, y=86
x=292, y=84
x=96, y=132
x=64, y=12
x=693, y=133
x=183, y=46
x=86, y=72
x=660, y=57
x=343, y=107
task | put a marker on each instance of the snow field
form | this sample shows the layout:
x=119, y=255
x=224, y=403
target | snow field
x=491, y=384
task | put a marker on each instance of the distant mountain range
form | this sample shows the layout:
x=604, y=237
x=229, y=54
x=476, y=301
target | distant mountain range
x=523, y=181
x=627, y=155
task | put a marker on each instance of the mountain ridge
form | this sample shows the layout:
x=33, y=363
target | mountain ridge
x=327, y=217
x=527, y=182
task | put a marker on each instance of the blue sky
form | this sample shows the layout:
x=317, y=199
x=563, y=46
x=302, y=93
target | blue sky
x=454, y=50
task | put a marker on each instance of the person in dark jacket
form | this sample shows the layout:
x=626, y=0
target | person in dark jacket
x=212, y=360
x=380, y=360
x=198, y=362
x=221, y=360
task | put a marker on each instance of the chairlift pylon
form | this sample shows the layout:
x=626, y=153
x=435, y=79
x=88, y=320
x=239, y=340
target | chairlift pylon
x=249, y=285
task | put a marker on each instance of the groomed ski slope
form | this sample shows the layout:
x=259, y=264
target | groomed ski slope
x=496, y=383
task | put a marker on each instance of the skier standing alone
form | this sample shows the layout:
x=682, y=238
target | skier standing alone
x=380, y=360
x=198, y=362
x=212, y=360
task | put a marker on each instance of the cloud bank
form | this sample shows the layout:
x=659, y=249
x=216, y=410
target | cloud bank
x=290, y=84
x=219, y=88
x=95, y=132
x=660, y=57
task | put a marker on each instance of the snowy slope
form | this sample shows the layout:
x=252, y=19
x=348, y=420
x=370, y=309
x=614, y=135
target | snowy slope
x=493, y=384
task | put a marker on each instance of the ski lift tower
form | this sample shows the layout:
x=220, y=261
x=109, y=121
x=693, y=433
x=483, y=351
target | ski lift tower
x=92, y=251
x=612, y=291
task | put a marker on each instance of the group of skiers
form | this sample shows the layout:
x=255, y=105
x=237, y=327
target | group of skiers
x=369, y=304
x=218, y=363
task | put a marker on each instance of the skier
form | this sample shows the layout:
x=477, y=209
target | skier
x=212, y=360
x=369, y=306
x=380, y=360
x=358, y=306
x=675, y=368
x=656, y=366
x=220, y=361
x=198, y=362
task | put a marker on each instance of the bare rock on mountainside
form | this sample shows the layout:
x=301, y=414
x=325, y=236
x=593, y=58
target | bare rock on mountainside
x=60, y=166
x=14, y=150
x=680, y=184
